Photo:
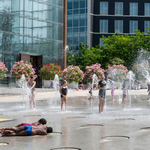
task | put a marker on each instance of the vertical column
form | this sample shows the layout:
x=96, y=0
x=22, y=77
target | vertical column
x=65, y=31
x=89, y=23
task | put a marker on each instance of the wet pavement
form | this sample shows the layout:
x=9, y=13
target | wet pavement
x=82, y=127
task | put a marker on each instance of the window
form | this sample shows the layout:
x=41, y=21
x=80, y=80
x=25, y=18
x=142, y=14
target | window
x=82, y=3
x=101, y=42
x=76, y=11
x=69, y=21
x=82, y=11
x=147, y=9
x=76, y=4
x=147, y=25
x=104, y=26
x=133, y=8
x=69, y=30
x=118, y=8
x=69, y=12
x=118, y=26
x=75, y=29
x=82, y=20
x=82, y=29
x=103, y=8
x=69, y=5
x=133, y=26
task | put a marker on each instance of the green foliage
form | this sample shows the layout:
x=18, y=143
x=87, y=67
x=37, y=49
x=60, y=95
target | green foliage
x=118, y=49
x=115, y=61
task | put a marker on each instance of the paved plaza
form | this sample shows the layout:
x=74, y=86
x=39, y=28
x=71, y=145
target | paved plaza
x=81, y=126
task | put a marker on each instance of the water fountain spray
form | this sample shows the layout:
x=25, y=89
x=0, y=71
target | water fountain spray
x=131, y=77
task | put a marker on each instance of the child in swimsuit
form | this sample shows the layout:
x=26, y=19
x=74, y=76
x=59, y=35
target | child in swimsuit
x=125, y=92
x=31, y=86
x=64, y=91
x=112, y=91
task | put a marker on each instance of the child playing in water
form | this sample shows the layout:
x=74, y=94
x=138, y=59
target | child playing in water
x=112, y=91
x=91, y=92
x=125, y=92
x=64, y=91
x=148, y=90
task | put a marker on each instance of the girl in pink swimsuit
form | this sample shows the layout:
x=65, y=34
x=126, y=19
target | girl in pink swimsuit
x=41, y=121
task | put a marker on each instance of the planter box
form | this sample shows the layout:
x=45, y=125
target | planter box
x=47, y=83
x=73, y=85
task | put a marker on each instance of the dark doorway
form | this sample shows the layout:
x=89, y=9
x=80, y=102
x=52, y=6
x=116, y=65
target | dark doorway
x=36, y=61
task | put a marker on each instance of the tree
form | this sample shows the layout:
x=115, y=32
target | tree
x=117, y=49
x=6, y=25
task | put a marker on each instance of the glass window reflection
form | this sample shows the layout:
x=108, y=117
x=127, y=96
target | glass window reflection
x=147, y=9
x=118, y=8
x=133, y=26
x=147, y=25
x=133, y=8
x=118, y=26
x=104, y=8
x=104, y=26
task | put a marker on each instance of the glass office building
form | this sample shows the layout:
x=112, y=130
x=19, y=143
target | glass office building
x=31, y=30
x=33, y=27
x=76, y=23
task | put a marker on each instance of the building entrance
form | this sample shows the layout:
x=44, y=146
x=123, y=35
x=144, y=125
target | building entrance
x=36, y=61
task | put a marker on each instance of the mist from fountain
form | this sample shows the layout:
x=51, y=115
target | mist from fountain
x=95, y=81
x=131, y=77
x=25, y=92
x=56, y=87
x=118, y=82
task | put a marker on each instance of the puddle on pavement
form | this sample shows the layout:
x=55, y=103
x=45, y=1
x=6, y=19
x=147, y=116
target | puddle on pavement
x=54, y=133
x=75, y=117
x=114, y=138
x=125, y=119
x=31, y=115
x=3, y=144
x=91, y=125
x=145, y=128
x=66, y=148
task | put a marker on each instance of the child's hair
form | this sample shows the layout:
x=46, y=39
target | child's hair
x=64, y=81
x=31, y=77
x=49, y=129
x=124, y=86
x=42, y=121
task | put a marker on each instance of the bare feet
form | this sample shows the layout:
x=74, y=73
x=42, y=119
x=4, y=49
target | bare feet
x=2, y=131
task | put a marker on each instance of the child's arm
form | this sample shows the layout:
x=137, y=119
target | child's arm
x=33, y=85
x=67, y=91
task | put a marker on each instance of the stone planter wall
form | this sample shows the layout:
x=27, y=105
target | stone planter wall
x=47, y=83
x=73, y=85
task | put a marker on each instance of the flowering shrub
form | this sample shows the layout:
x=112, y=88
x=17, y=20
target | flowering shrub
x=20, y=68
x=48, y=71
x=94, y=69
x=3, y=70
x=73, y=73
x=117, y=72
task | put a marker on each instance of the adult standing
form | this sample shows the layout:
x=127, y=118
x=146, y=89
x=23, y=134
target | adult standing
x=31, y=86
x=102, y=93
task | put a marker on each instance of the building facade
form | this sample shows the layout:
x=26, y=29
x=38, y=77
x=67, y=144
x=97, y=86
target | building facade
x=31, y=30
x=77, y=11
x=118, y=16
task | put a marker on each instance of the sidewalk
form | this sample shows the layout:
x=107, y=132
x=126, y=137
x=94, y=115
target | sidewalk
x=44, y=94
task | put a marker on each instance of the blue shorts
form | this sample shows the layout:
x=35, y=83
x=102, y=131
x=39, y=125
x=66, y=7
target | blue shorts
x=28, y=129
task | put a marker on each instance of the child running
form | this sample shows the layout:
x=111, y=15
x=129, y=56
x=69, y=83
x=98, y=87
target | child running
x=64, y=91
x=125, y=92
